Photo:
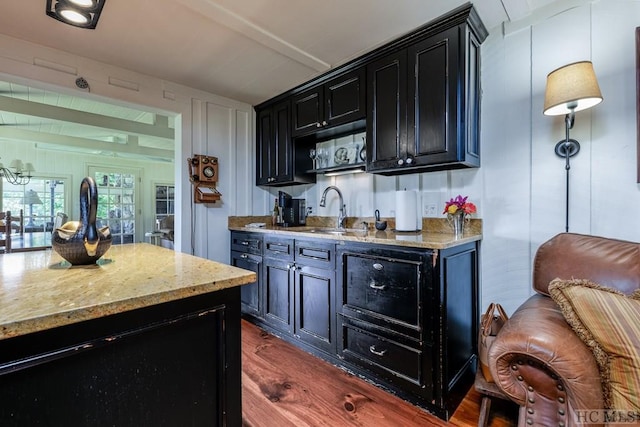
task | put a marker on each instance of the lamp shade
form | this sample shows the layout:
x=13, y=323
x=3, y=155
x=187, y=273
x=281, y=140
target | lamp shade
x=573, y=87
x=31, y=198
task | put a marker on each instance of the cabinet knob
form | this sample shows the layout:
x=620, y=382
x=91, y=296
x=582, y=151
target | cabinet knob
x=409, y=160
x=245, y=243
x=400, y=162
x=373, y=350
x=324, y=123
x=244, y=256
x=378, y=266
x=318, y=125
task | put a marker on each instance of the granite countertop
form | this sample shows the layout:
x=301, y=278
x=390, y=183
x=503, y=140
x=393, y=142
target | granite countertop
x=39, y=290
x=435, y=234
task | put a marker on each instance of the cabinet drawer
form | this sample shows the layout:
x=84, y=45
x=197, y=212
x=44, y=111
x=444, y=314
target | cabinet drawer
x=381, y=353
x=280, y=248
x=246, y=243
x=316, y=253
x=384, y=286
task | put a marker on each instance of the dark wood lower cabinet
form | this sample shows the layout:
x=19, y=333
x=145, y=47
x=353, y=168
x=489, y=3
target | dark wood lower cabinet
x=174, y=364
x=403, y=318
x=315, y=319
x=278, y=292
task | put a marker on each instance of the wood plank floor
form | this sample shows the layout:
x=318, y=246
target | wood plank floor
x=284, y=386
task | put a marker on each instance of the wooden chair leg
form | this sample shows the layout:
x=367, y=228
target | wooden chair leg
x=485, y=407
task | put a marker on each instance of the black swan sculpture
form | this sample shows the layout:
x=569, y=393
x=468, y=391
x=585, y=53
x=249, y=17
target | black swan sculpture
x=81, y=242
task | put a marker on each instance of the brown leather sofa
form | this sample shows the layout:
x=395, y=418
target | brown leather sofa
x=537, y=359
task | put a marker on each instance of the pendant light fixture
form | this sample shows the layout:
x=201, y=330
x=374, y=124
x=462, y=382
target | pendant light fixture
x=79, y=13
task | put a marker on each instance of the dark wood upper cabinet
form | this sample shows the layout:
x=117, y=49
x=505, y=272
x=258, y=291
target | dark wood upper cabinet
x=442, y=93
x=338, y=101
x=387, y=107
x=433, y=115
x=443, y=122
x=277, y=162
x=418, y=98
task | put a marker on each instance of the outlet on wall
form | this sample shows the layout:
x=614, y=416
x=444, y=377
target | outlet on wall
x=430, y=203
x=430, y=210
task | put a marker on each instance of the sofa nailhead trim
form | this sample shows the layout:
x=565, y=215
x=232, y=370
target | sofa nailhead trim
x=530, y=411
x=531, y=400
x=561, y=424
x=561, y=412
x=529, y=421
x=530, y=388
x=561, y=399
x=520, y=378
x=514, y=367
x=560, y=387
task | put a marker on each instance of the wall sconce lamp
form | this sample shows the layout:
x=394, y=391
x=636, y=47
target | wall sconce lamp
x=21, y=173
x=79, y=13
x=570, y=89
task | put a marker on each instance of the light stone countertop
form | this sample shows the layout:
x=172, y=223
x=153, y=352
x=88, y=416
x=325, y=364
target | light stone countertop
x=39, y=290
x=435, y=234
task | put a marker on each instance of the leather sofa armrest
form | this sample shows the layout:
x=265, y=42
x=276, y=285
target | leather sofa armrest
x=542, y=365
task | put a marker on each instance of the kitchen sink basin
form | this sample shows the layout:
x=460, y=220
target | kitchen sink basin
x=337, y=231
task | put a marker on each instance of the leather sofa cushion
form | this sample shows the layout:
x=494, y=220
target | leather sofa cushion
x=608, y=262
x=609, y=324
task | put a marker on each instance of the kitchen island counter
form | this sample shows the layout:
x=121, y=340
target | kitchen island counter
x=148, y=336
x=39, y=290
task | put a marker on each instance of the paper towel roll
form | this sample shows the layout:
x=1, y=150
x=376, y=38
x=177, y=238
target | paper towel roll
x=406, y=210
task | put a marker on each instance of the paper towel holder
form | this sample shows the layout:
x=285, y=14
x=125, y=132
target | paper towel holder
x=408, y=216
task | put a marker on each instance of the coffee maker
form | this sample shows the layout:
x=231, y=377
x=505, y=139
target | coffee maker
x=294, y=211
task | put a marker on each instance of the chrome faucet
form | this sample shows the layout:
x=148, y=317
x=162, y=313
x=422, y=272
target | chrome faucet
x=343, y=208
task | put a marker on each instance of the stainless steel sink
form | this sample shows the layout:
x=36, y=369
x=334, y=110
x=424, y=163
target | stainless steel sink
x=337, y=231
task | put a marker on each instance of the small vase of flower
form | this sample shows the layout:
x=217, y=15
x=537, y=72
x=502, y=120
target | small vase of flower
x=458, y=211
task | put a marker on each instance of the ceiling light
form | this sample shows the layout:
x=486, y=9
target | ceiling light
x=17, y=173
x=79, y=13
x=84, y=3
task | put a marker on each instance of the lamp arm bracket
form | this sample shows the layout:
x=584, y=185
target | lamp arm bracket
x=567, y=146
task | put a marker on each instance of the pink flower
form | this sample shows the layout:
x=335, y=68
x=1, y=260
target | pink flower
x=459, y=203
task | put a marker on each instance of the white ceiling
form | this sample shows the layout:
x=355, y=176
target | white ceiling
x=248, y=50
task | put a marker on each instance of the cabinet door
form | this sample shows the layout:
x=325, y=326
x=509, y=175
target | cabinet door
x=386, y=108
x=265, y=162
x=250, y=294
x=308, y=111
x=315, y=317
x=278, y=288
x=274, y=145
x=283, y=145
x=345, y=98
x=434, y=113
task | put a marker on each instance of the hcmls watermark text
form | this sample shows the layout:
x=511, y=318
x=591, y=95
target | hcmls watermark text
x=606, y=416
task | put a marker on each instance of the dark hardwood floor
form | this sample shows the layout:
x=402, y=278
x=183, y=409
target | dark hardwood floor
x=286, y=387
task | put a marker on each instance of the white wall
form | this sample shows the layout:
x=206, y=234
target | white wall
x=205, y=124
x=520, y=188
